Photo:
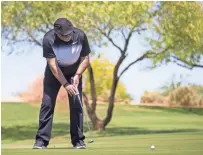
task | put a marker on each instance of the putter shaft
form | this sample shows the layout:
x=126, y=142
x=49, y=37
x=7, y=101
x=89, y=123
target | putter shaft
x=78, y=95
x=91, y=137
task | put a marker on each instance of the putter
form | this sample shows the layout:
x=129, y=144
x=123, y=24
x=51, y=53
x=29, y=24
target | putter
x=91, y=137
x=78, y=96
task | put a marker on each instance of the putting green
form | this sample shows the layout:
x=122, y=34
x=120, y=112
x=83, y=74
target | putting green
x=173, y=131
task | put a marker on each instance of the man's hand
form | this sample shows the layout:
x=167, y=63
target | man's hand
x=71, y=89
x=76, y=79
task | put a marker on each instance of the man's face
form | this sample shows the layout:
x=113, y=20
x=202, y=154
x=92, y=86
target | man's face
x=66, y=38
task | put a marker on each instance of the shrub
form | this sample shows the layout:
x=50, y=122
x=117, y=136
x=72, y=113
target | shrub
x=154, y=98
x=185, y=96
x=35, y=91
x=181, y=96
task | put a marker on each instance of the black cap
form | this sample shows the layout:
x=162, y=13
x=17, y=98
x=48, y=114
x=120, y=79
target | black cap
x=63, y=26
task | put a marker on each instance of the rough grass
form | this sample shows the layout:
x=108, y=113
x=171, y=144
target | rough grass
x=133, y=129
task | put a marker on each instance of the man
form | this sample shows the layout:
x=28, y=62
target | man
x=66, y=49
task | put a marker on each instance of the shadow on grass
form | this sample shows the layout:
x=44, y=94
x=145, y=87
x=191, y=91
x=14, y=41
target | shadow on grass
x=185, y=110
x=114, y=131
x=29, y=131
x=71, y=148
x=18, y=133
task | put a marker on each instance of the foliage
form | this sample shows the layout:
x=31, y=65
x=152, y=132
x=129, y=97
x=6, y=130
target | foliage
x=36, y=18
x=185, y=96
x=198, y=89
x=179, y=34
x=177, y=25
x=170, y=86
x=176, y=96
x=34, y=93
x=103, y=69
x=153, y=98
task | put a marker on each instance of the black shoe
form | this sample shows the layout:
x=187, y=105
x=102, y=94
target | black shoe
x=78, y=146
x=39, y=145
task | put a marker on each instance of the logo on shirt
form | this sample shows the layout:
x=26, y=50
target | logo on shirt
x=74, y=42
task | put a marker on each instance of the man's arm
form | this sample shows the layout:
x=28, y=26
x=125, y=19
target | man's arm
x=56, y=70
x=84, y=63
x=84, y=55
x=53, y=65
x=84, y=60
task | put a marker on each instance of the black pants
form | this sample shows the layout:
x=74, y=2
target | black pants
x=51, y=89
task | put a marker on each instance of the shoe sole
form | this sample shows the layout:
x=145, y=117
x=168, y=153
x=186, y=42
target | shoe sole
x=38, y=147
x=79, y=147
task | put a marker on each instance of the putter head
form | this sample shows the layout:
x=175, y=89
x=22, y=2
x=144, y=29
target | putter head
x=91, y=141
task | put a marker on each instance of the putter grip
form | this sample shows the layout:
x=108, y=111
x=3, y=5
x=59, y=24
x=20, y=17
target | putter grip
x=71, y=80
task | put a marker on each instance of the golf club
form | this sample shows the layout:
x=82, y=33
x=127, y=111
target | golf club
x=78, y=96
x=91, y=137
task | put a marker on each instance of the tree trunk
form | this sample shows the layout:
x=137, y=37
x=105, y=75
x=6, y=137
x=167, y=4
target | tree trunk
x=111, y=102
x=96, y=122
x=113, y=91
x=99, y=125
x=91, y=108
x=93, y=89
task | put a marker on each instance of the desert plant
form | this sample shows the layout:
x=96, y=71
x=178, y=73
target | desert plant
x=171, y=85
x=153, y=98
x=185, y=96
x=35, y=91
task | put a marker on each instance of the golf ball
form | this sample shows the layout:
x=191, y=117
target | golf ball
x=152, y=147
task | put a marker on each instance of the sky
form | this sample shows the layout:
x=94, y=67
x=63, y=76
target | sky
x=19, y=70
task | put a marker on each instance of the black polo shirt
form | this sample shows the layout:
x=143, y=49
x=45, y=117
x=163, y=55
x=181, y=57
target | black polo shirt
x=67, y=54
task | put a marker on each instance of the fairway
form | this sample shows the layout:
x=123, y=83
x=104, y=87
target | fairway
x=133, y=129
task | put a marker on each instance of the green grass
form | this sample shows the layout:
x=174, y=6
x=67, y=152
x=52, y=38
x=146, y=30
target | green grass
x=133, y=129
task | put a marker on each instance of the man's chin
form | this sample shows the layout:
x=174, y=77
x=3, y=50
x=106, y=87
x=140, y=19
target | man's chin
x=66, y=40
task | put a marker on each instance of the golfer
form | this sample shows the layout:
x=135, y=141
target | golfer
x=66, y=50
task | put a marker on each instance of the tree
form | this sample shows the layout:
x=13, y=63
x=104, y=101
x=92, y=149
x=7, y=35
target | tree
x=98, y=19
x=103, y=69
x=178, y=29
x=132, y=17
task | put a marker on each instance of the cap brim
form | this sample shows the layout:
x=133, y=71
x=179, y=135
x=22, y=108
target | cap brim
x=68, y=32
x=64, y=33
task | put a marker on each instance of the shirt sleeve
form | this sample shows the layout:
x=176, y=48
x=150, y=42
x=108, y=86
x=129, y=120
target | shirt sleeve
x=47, y=49
x=85, y=47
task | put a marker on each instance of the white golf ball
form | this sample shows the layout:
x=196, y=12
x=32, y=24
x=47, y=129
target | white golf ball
x=152, y=147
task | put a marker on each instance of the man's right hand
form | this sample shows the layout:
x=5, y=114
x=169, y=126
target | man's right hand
x=71, y=89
